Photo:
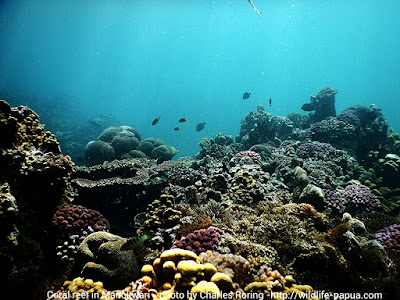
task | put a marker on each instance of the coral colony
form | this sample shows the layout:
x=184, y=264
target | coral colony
x=302, y=205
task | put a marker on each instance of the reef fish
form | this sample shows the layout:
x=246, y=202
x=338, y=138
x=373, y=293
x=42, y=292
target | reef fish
x=94, y=123
x=270, y=101
x=308, y=107
x=134, y=242
x=200, y=126
x=177, y=128
x=246, y=95
x=183, y=120
x=155, y=121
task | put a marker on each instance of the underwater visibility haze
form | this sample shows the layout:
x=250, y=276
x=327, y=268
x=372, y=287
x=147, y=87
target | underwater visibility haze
x=138, y=60
x=200, y=145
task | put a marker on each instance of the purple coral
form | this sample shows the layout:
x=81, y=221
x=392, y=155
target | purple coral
x=200, y=240
x=361, y=199
x=74, y=218
x=246, y=155
x=389, y=238
x=334, y=202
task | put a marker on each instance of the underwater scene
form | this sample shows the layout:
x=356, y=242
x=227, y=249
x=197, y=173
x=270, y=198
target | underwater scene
x=199, y=149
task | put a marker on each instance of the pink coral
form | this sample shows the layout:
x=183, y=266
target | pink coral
x=73, y=218
x=200, y=240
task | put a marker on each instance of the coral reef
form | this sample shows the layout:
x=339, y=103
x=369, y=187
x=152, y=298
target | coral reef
x=360, y=198
x=34, y=180
x=75, y=218
x=123, y=142
x=261, y=127
x=121, y=189
x=97, y=152
x=325, y=104
x=100, y=258
x=245, y=216
x=160, y=220
x=247, y=157
x=200, y=240
x=389, y=237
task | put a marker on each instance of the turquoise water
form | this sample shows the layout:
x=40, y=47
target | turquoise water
x=138, y=60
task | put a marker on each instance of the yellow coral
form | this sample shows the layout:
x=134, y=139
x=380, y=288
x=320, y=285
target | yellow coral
x=176, y=255
x=190, y=268
x=223, y=281
x=205, y=287
x=209, y=270
x=258, y=286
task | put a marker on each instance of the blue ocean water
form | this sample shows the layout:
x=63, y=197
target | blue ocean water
x=137, y=60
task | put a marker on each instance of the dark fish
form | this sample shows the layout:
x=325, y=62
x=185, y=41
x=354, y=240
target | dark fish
x=183, y=120
x=155, y=121
x=308, y=107
x=246, y=95
x=177, y=128
x=270, y=101
x=94, y=123
x=134, y=242
x=79, y=159
x=200, y=126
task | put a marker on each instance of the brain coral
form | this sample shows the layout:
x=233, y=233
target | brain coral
x=96, y=152
x=73, y=218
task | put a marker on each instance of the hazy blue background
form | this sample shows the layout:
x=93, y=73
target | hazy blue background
x=138, y=60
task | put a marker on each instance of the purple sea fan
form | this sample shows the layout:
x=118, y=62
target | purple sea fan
x=247, y=156
x=361, y=199
x=389, y=237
